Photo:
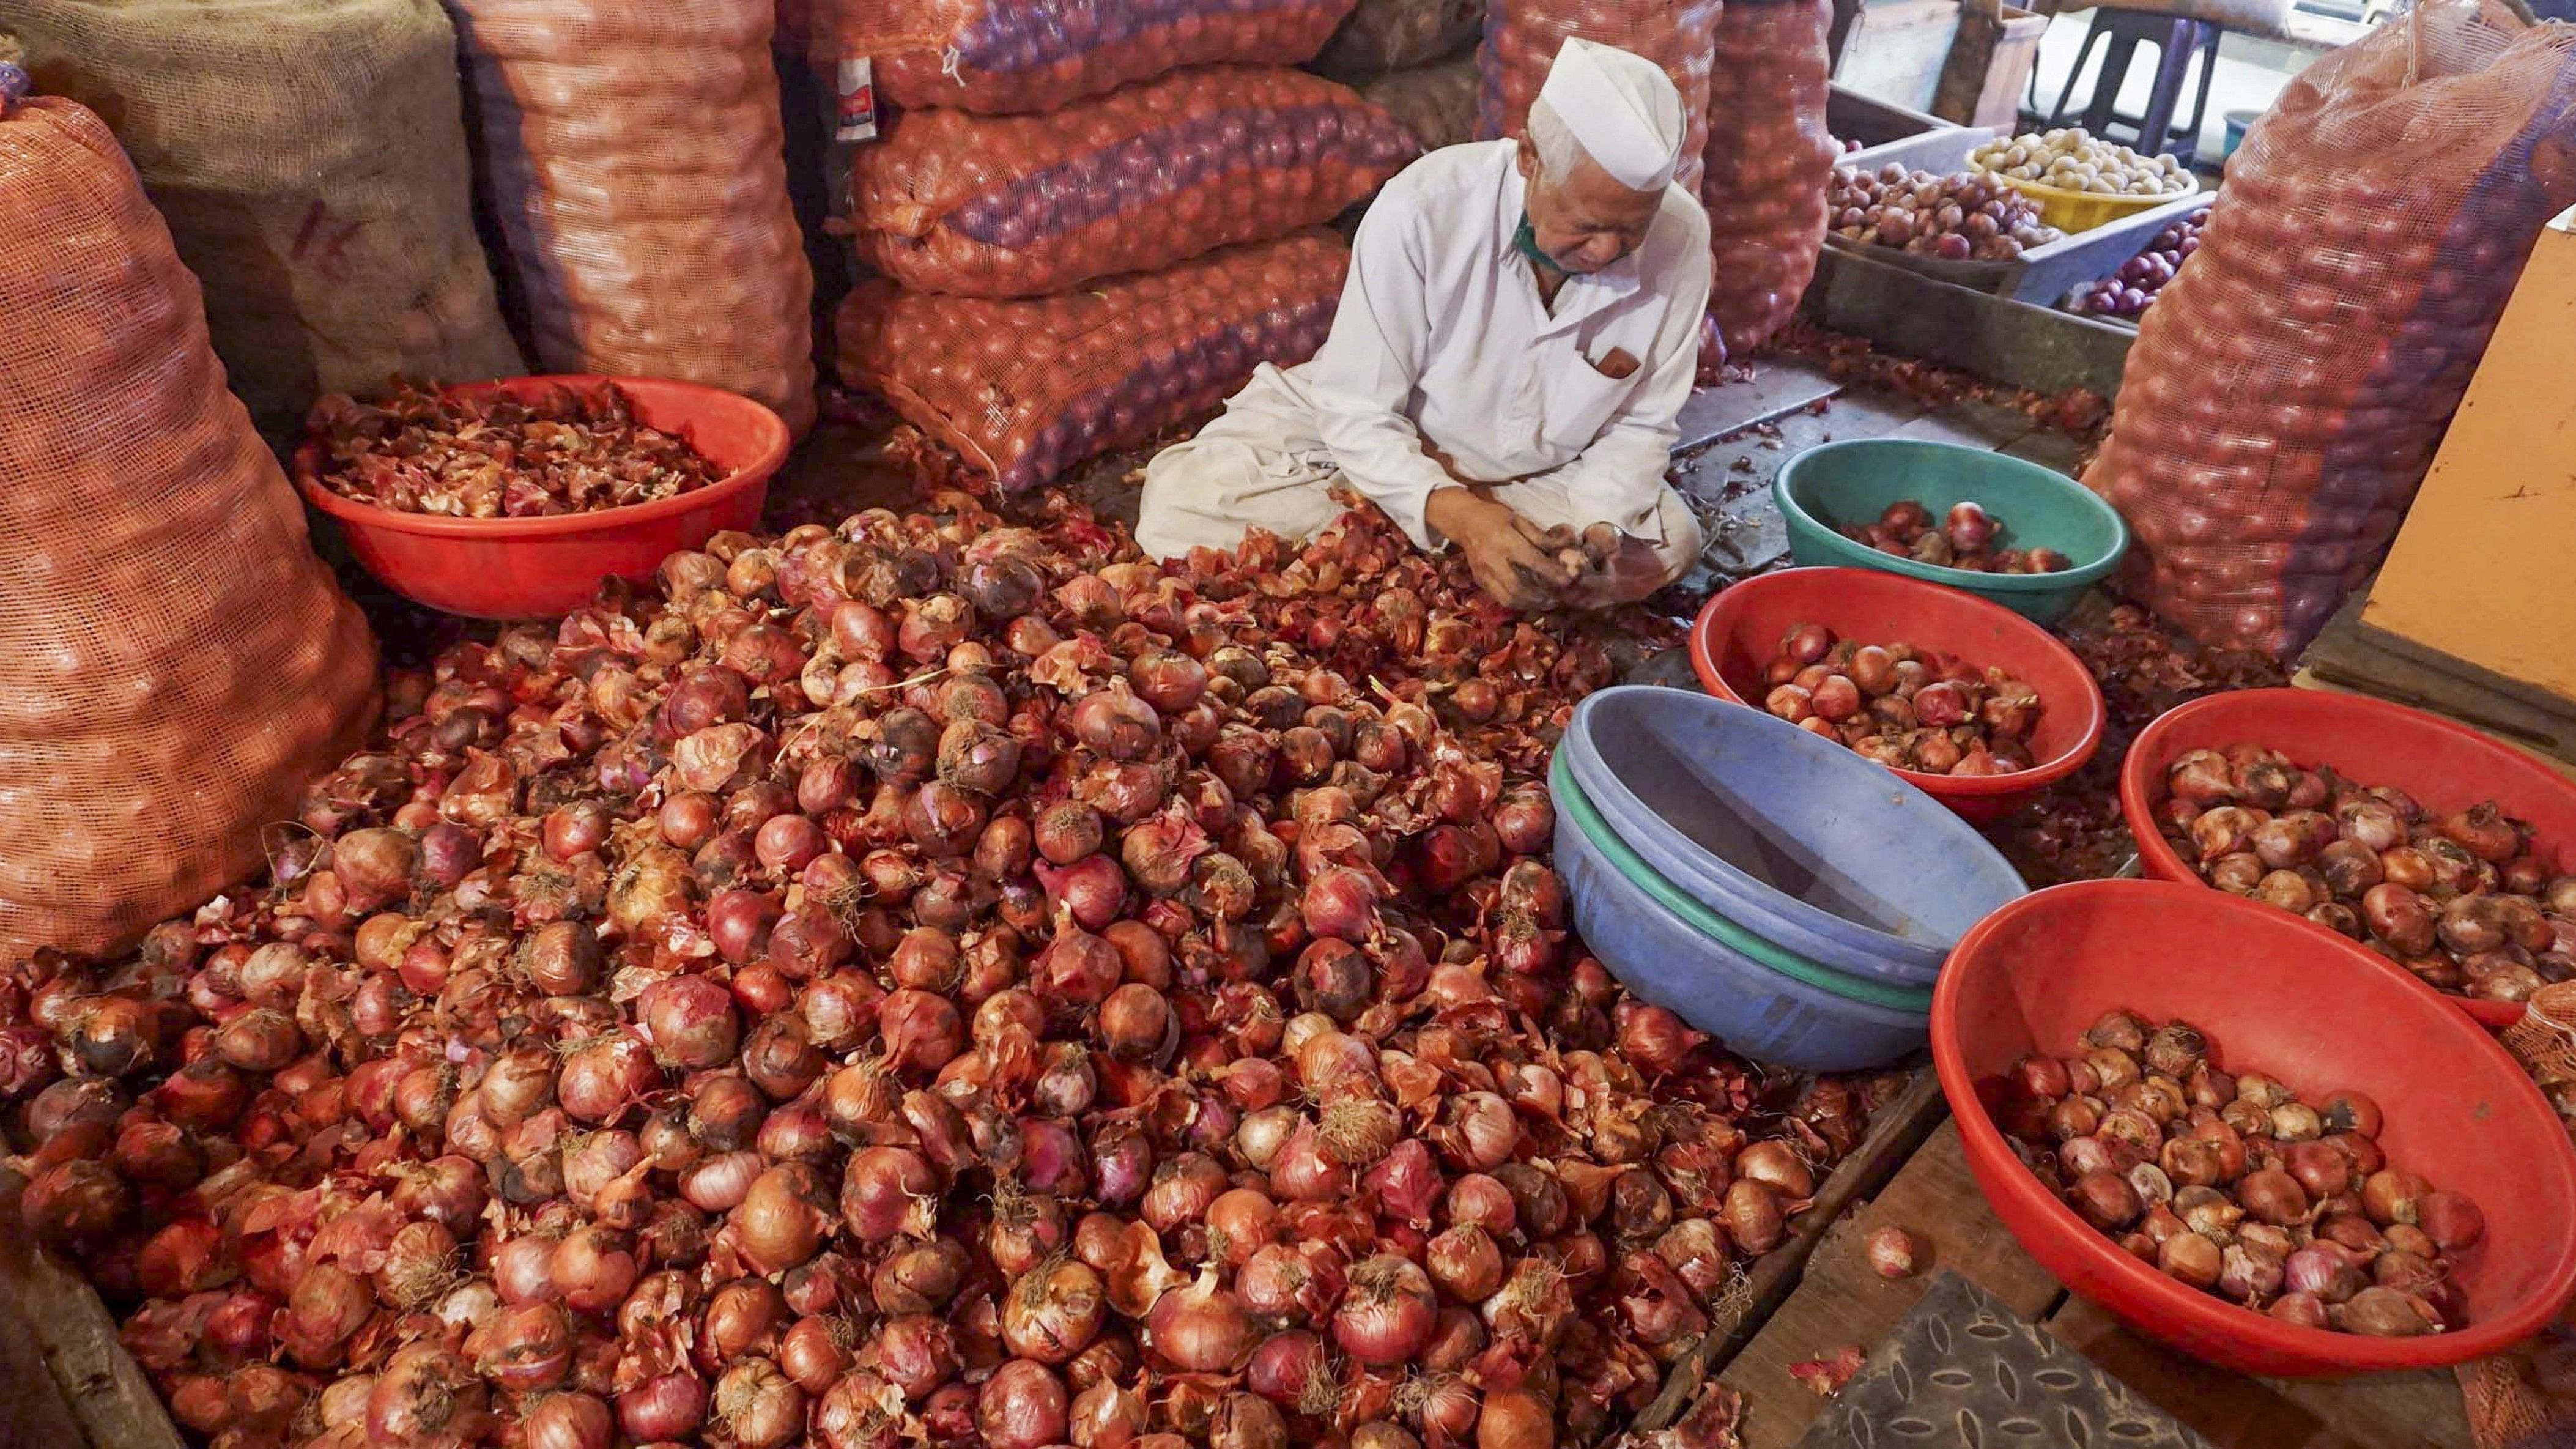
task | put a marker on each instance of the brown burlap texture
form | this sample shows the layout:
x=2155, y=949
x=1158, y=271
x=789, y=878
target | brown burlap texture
x=309, y=156
x=1391, y=35
x=1007, y=56
x=1436, y=102
x=2289, y=387
x=1770, y=163
x=632, y=150
x=1133, y=181
x=174, y=662
x=1025, y=389
x=1522, y=38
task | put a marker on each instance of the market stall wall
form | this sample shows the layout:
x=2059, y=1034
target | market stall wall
x=2288, y=389
x=1770, y=160
x=633, y=154
x=309, y=157
x=174, y=661
x=1522, y=38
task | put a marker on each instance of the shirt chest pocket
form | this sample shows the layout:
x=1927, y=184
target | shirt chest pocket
x=1578, y=399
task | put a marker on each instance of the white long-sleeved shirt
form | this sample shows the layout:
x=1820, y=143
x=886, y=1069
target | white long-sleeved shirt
x=1442, y=338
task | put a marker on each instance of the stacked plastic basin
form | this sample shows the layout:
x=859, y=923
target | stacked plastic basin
x=1776, y=890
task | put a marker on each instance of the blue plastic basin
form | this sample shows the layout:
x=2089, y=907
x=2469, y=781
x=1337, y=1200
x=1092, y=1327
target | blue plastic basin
x=1757, y=1012
x=1791, y=836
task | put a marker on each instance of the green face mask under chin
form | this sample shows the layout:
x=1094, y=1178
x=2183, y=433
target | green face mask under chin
x=1526, y=240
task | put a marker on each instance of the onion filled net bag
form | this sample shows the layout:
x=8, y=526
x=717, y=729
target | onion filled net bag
x=1522, y=38
x=1023, y=390
x=1035, y=55
x=633, y=153
x=1770, y=163
x=174, y=661
x=310, y=158
x=2287, y=391
x=1389, y=35
x=1436, y=102
x=1154, y=173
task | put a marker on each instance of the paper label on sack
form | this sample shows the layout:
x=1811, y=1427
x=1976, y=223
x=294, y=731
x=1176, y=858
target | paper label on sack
x=856, y=97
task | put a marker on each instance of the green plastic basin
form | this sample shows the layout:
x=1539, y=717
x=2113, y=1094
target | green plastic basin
x=1854, y=481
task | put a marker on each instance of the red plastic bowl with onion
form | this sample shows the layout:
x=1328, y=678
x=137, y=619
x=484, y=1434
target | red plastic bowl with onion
x=2445, y=766
x=2308, y=1007
x=536, y=568
x=1740, y=629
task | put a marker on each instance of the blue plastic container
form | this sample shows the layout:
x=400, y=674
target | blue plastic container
x=1757, y=1012
x=1789, y=835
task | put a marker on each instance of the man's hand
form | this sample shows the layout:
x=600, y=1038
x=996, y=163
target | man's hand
x=1514, y=559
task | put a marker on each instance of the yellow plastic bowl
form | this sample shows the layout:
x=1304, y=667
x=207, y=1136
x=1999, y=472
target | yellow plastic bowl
x=2074, y=211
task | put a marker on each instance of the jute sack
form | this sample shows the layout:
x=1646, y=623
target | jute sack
x=1436, y=102
x=1381, y=36
x=175, y=663
x=309, y=156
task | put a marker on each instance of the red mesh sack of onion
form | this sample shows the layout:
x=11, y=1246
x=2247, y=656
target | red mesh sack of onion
x=1023, y=390
x=1522, y=38
x=1770, y=162
x=1003, y=56
x=1019, y=206
x=2287, y=391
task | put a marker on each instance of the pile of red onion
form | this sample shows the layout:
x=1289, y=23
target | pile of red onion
x=2233, y=1185
x=2460, y=899
x=1967, y=537
x=929, y=980
x=1906, y=708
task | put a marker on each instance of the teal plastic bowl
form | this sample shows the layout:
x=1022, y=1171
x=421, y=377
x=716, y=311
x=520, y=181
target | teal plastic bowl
x=1854, y=481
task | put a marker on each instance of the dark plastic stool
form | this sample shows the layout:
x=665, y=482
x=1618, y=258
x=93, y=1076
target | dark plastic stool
x=2177, y=39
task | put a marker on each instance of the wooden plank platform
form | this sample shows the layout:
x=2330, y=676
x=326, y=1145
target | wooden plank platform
x=1840, y=1302
x=1897, y=1131
x=96, y=1395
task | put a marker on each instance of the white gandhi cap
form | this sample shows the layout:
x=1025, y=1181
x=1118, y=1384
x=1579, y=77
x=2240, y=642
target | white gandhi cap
x=1622, y=108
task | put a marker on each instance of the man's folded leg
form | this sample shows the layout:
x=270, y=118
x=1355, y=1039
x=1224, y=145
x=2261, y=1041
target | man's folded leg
x=1207, y=492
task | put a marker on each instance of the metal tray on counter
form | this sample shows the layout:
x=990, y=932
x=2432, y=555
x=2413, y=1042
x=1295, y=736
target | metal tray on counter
x=2043, y=274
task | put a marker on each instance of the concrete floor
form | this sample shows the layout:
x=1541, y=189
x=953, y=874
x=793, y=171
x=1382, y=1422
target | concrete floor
x=1736, y=437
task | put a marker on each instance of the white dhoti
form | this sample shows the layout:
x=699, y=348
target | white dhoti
x=1262, y=465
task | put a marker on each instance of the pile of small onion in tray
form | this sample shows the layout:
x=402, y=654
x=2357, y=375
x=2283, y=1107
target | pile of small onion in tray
x=2229, y=1183
x=925, y=981
x=2459, y=899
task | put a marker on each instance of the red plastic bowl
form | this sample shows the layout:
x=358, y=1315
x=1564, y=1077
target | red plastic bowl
x=2445, y=766
x=2306, y=1006
x=1740, y=630
x=537, y=568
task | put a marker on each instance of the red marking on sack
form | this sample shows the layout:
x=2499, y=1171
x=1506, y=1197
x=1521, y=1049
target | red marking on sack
x=323, y=243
